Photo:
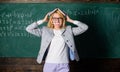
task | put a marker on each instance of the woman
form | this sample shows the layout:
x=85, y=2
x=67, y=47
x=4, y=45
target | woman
x=57, y=41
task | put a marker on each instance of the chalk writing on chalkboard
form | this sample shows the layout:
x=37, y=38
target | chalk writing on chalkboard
x=82, y=12
x=14, y=34
x=14, y=22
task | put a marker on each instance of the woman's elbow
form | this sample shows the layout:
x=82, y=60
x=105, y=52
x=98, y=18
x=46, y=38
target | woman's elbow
x=86, y=27
x=27, y=29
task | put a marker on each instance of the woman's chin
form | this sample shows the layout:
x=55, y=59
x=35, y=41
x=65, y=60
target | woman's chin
x=57, y=24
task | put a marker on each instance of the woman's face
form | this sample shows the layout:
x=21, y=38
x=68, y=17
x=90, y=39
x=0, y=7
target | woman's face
x=57, y=20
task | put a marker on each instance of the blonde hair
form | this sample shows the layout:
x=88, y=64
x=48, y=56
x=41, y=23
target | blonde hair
x=51, y=25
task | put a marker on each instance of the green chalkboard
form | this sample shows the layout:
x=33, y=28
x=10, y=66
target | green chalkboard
x=102, y=40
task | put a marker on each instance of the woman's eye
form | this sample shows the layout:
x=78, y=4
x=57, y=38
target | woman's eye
x=57, y=18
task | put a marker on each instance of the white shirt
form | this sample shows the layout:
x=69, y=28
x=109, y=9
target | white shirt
x=57, y=52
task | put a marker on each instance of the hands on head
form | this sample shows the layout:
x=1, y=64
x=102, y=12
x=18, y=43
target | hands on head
x=46, y=18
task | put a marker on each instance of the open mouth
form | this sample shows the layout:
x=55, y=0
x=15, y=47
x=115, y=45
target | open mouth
x=56, y=23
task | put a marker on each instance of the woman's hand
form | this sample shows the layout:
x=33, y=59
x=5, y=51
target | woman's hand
x=69, y=19
x=46, y=18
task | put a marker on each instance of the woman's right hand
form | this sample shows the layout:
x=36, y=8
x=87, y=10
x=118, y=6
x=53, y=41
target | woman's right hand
x=46, y=18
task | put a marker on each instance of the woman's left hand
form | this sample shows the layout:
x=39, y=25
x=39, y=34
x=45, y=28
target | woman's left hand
x=69, y=19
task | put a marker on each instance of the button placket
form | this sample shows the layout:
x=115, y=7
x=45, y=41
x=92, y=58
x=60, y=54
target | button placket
x=67, y=40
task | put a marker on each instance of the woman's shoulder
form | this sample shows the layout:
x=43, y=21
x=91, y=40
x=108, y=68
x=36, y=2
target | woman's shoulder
x=67, y=27
x=46, y=28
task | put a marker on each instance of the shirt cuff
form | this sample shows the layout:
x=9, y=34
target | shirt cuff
x=76, y=22
x=39, y=22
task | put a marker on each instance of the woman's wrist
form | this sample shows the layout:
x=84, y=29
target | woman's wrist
x=40, y=22
x=70, y=20
x=44, y=20
x=76, y=22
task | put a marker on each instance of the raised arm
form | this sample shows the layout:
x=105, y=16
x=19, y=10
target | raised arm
x=81, y=27
x=33, y=28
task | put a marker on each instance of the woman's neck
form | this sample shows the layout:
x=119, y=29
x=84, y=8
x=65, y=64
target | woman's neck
x=57, y=28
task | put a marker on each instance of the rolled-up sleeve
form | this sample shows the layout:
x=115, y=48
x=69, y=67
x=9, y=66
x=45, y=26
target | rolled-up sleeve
x=81, y=28
x=33, y=28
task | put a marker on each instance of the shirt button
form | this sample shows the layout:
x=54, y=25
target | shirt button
x=63, y=35
x=67, y=40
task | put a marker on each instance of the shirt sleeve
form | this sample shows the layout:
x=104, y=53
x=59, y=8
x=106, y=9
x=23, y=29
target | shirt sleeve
x=33, y=28
x=81, y=28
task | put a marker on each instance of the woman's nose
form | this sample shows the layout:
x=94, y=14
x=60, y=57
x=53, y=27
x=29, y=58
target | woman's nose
x=57, y=20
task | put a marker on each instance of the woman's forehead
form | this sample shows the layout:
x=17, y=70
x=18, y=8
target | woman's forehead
x=56, y=15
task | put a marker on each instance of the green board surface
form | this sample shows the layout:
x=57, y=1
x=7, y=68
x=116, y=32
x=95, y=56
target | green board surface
x=101, y=40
